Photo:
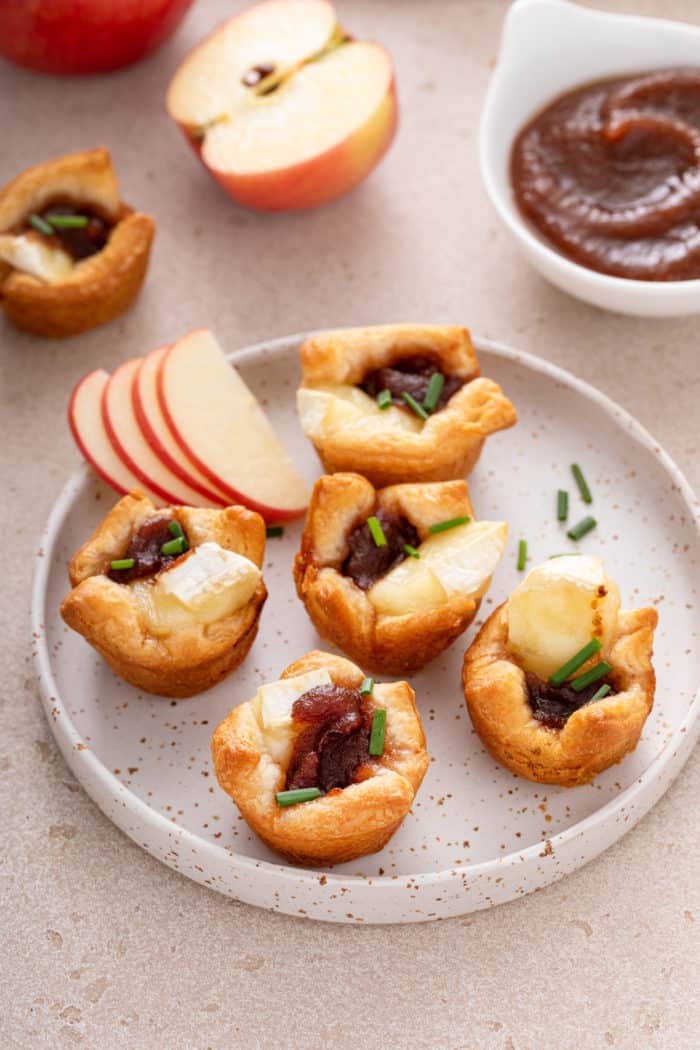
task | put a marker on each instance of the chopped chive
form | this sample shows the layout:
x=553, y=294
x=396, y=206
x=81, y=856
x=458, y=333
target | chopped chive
x=290, y=798
x=562, y=505
x=432, y=394
x=376, y=737
x=377, y=532
x=40, y=224
x=411, y=551
x=522, y=555
x=576, y=661
x=576, y=532
x=589, y=677
x=603, y=691
x=581, y=482
x=413, y=404
x=443, y=526
x=274, y=530
x=175, y=529
x=176, y=546
x=384, y=399
x=123, y=563
x=68, y=222
x=367, y=686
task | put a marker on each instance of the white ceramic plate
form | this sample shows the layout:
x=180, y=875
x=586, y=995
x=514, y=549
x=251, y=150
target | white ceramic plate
x=477, y=835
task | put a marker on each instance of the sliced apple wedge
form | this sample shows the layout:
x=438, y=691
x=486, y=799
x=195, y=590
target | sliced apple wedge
x=88, y=429
x=219, y=424
x=130, y=443
x=285, y=109
x=144, y=397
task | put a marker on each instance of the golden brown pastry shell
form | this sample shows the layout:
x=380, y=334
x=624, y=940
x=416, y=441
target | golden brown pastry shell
x=343, y=824
x=99, y=288
x=191, y=659
x=596, y=736
x=449, y=443
x=341, y=611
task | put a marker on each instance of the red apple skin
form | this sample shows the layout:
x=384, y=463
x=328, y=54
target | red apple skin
x=319, y=179
x=78, y=37
x=272, y=515
x=79, y=442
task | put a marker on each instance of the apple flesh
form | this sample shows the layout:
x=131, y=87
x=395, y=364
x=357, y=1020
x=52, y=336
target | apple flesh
x=283, y=108
x=75, y=37
x=131, y=446
x=151, y=421
x=219, y=425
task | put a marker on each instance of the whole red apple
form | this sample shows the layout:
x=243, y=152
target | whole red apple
x=75, y=37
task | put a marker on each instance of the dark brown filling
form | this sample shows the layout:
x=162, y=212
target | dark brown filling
x=366, y=562
x=410, y=376
x=334, y=741
x=145, y=548
x=80, y=243
x=553, y=705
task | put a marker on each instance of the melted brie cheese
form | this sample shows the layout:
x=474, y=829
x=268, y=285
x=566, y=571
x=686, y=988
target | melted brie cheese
x=323, y=410
x=273, y=709
x=557, y=609
x=461, y=560
x=208, y=585
x=37, y=256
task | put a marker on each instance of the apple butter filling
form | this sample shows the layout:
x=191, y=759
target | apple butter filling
x=553, y=705
x=79, y=231
x=155, y=545
x=366, y=561
x=333, y=739
x=412, y=376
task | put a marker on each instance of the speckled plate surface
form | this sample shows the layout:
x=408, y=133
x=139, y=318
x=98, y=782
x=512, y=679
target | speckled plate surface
x=477, y=836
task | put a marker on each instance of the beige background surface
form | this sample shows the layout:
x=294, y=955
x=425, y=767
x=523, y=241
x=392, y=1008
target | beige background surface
x=103, y=947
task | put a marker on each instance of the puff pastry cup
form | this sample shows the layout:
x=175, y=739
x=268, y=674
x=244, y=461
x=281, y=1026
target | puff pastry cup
x=421, y=605
x=349, y=430
x=251, y=763
x=182, y=630
x=43, y=289
x=600, y=733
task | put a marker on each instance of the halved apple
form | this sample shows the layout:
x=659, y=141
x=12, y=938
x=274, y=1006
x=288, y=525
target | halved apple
x=284, y=108
x=131, y=446
x=88, y=429
x=218, y=423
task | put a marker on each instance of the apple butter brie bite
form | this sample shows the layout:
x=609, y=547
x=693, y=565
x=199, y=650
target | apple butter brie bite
x=398, y=402
x=559, y=682
x=394, y=576
x=72, y=254
x=323, y=764
x=170, y=598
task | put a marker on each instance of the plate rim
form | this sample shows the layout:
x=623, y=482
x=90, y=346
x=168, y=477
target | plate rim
x=84, y=760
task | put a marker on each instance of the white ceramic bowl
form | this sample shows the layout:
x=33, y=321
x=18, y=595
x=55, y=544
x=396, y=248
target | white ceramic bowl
x=547, y=48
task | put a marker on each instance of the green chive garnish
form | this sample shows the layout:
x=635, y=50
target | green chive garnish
x=367, y=686
x=377, y=532
x=562, y=505
x=522, y=555
x=432, y=394
x=413, y=404
x=274, y=530
x=68, y=222
x=603, y=691
x=175, y=529
x=580, y=530
x=40, y=224
x=176, y=546
x=384, y=399
x=290, y=798
x=411, y=551
x=123, y=563
x=581, y=482
x=443, y=526
x=591, y=676
x=576, y=661
x=376, y=737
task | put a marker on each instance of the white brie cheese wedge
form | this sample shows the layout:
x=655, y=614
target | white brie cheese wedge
x=273, y=708
x=557, y=609
x=38, y=257
x=335, y=407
